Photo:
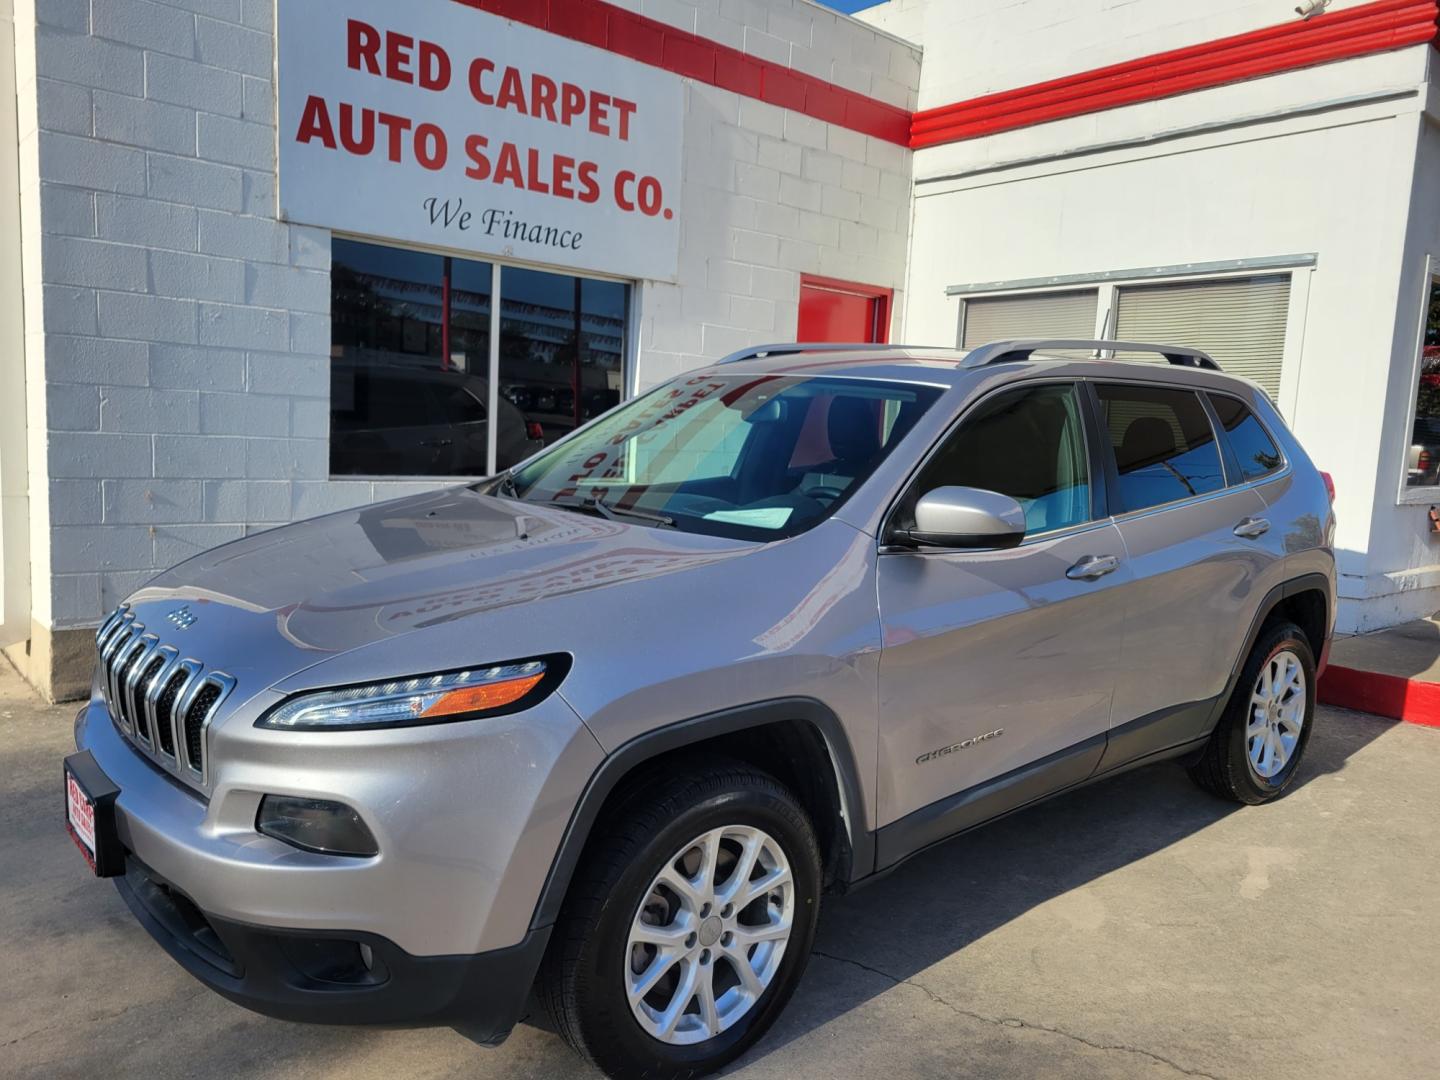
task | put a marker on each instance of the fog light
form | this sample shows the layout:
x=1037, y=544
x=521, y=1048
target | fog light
x=330, y=828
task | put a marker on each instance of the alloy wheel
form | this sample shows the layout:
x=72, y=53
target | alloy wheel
x=709, y=934
x=1277, y=714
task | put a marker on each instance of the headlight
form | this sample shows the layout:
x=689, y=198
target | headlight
x=425, y=699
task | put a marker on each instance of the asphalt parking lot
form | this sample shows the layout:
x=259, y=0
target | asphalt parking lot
x=1137, y=928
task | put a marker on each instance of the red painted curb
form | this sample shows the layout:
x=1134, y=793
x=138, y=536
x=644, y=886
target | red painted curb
x=1384, y=695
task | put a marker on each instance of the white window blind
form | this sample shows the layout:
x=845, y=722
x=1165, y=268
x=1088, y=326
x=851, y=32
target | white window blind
x=1069, y=314
x=1238, y=321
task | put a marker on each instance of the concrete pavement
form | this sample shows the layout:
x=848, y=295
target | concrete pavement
x=1138, y=928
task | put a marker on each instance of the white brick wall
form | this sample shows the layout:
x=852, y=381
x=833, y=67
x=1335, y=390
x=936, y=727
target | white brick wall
x=180, y=334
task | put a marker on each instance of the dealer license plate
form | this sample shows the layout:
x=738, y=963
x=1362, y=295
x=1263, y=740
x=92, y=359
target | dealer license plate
x=80, y=818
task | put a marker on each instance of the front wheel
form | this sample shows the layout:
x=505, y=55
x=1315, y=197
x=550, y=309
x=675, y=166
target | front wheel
x=688, y=924
x=1257, y=746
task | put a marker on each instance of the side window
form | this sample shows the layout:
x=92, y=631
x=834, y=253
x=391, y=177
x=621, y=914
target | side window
x=1028, y=444
x=1248, y=438
x=1163, y=444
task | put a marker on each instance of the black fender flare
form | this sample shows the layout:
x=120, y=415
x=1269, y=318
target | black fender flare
x=696, y=729
x=1305, y=583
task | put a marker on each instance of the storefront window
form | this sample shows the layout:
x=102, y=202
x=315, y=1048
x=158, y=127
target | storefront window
x=1423, y=455
x=561, y=347
x=411, y=363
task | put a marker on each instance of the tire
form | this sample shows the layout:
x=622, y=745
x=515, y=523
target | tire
x=667, y=827
x=1228, y=766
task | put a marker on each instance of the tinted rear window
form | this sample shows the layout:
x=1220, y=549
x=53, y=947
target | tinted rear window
x=1256, y=451
x=1163, y=443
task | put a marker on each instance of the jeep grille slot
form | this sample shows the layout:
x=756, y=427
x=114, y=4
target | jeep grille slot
x=158, y=701
x=196, y=717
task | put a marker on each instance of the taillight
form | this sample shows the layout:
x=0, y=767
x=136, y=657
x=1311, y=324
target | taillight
x=533, y=430
x=1329, y=485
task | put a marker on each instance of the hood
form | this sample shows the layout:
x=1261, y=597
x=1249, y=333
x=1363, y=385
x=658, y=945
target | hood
x=281, y=601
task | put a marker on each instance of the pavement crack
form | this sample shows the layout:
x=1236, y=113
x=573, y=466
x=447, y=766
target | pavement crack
x=1015, y=1021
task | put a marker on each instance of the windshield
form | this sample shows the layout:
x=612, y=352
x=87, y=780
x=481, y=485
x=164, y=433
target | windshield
x=753, y=457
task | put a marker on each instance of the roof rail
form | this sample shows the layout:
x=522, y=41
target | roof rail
x=1002, y=352
x=788, y=348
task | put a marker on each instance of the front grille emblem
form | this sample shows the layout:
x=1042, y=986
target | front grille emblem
x=182, y=617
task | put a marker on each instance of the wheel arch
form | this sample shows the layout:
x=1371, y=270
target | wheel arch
x=1305, y=601
x=799, y=740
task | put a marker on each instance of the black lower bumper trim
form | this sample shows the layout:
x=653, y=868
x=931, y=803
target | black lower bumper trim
x=325, y=977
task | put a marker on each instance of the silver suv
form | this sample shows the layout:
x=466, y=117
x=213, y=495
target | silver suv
x=596, y=734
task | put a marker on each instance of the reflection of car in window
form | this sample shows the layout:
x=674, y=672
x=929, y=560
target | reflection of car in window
x=403, y=421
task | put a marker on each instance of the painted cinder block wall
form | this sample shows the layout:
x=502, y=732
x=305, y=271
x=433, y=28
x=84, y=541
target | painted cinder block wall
x=177, y=334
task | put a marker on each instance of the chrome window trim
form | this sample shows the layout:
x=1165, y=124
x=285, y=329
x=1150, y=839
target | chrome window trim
x=1194, y=500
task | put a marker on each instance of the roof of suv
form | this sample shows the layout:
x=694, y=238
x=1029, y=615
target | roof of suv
x=951, y=367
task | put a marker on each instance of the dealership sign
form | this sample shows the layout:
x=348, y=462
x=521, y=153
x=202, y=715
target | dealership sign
x=438, y=124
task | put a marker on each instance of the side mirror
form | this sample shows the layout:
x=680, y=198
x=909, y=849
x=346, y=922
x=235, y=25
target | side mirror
x=965, y=517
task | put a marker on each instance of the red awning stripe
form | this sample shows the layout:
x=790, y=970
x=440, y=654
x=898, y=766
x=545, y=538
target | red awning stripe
x=1376, y=27
x=658, y=44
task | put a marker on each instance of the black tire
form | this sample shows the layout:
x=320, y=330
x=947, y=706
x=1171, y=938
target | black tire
x=582, y=981
x=1224, y=768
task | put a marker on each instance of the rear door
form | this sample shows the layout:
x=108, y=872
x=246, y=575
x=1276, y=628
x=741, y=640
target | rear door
x=1196, y=567
x=999, y=666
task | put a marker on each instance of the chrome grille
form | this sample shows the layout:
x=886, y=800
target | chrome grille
x=160, y=702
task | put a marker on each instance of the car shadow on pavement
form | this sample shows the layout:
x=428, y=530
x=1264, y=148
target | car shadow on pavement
x=945, y=900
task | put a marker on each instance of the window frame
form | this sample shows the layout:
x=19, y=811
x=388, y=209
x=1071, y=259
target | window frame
x=1109, y=282
x=1231, y=458
x=1100, y=493
x=1112, y=475
x=497, y=264
x=1420, y=495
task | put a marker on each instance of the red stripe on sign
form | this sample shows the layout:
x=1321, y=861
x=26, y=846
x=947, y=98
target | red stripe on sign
x=1384, y=695
x=650, y=41
x=1359, y=31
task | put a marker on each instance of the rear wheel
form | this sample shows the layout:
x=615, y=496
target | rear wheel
x=688, y=925
x=1257, y=746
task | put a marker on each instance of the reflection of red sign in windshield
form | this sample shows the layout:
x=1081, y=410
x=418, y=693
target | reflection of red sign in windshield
x=607, y=463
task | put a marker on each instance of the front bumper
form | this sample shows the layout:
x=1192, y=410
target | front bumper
x=468, y=817
x=334, y=976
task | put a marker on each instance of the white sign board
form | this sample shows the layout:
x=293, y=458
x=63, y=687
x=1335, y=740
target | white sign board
x=435, y=123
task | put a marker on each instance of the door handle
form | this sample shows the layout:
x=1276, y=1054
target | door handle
x=1093, y=566
x=1252, y=527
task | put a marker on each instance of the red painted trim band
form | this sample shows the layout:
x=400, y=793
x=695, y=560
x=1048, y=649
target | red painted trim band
x=650, y=41
x=1384, y=695
x=1371, y=28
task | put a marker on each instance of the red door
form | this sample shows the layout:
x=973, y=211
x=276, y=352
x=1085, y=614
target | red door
x=833, y=310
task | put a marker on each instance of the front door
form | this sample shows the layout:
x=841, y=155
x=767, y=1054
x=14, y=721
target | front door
x=842, y=311
x=998, y=667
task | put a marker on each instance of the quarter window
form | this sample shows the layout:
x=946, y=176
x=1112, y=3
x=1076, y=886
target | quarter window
x=1163, y=444
x=1028, y=444
x=1255, y=451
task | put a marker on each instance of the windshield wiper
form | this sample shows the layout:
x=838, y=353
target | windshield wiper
x=593, y=505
